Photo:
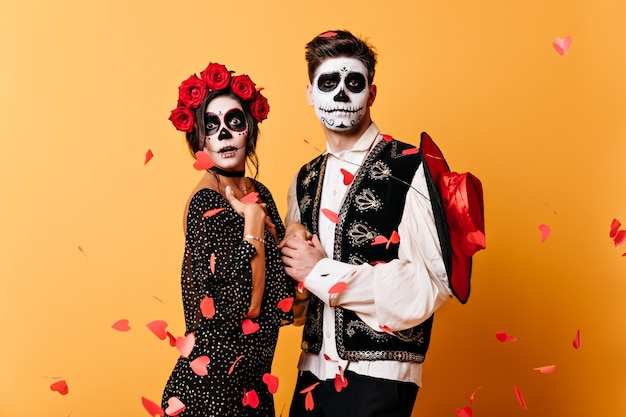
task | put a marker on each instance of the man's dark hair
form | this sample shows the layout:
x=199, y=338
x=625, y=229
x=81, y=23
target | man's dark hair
x=339, y=43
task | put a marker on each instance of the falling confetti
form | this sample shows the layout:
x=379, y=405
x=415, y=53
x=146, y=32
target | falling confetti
x=471, y=398
x=80, y=248
x=328, y=358
x=576, y=342
x=393, y=239
x=410, y=151
x=386, y=329
x=203, y=161
x=340, y=380
x=331, y=215
x=520, y=398
x=250, y=198
x=464, y=412
x=504, y=337
x=232, y=367
x=185, y=344
x=308, y=143
x=285, y=304
x=158, y=328
x=308, y=399
x=545, y=369
x=328, y=34
x=386, y=138
x=149, y=156
x=60, y=387
x=250, y=398
x=300, y=287
x=152, y=408
x=121, y=325
x=337, y=288
x=545, y=231
x=213, y=212
x=207, y=306
x=380, y=240
x=620, y=238
x=348, y=177
x=212, y=263
x=172, y=339
x=561, y=46
x=271, y=381
x=249, y=326
x=174, y=407
x=615, y=225
x=199, y=365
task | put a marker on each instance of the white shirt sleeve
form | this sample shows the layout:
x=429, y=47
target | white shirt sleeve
x=293, y=211
x=406, y=291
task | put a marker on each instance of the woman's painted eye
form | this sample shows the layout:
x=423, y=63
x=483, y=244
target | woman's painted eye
x=236, y=120
x=211, y=123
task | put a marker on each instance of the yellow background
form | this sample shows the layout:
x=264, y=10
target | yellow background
x=86, y=89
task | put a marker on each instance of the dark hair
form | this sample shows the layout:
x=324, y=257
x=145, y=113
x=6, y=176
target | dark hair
x=197, y=137
x=339, y=43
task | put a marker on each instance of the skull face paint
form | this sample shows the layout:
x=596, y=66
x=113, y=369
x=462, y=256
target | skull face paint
x=226, y=132
x=340, y=93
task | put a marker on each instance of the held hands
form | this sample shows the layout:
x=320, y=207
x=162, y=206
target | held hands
x=300, y=256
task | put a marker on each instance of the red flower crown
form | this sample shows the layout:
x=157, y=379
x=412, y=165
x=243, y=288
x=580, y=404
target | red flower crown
x=215, y=77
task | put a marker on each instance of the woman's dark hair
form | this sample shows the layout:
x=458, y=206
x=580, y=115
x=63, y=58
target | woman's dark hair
x=197, y=137
x=339, y=43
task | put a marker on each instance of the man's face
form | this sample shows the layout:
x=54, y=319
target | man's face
x=339, y=93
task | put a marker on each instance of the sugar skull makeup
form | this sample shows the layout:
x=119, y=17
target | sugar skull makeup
x=226, y=129
x=340, y=92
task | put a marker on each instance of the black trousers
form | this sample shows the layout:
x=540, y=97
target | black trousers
x=363, y=397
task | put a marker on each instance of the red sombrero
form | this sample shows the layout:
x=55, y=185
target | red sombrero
x=462, y=201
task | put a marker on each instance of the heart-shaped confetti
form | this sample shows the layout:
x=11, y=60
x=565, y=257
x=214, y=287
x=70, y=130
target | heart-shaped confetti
x=545, y=369
x=471, y=398
x=410, y=151
x=152, y=408
x=504, y=337
x=158, y=328
x=340, y=381
x=300, y=287
x=329, y=359
x=309, y=404
x=213, y=212
x=520, y=398
x=464, y=412
x=212, y=263
x=185, y=344
x=615, y=225
x=348, y=177
x=207, y=306
x=545, y=231
x=380, y=240
x=285, y=304
x=199, y=365
x=561, y=46
x=620, y=238
x=331, y=215
x=386, y=138
x=121, y=325
x=232, y=367
x=271, y=381
x=393, y=239
x=309, y=388
x=328, y=34
x=250, y=198
x=60, y=387
x=203, y=161
x=576, y=342
x=174, y=407
x=249, y=326
x=172, y=339
x=337, y=288
x=250, y=398
x=149, y=156
x=386, y=329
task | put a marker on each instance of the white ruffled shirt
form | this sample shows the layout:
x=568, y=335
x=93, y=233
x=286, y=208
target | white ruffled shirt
x=400, y=294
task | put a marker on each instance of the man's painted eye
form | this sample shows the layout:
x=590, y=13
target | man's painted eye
x=355, y=82
x=328, y=82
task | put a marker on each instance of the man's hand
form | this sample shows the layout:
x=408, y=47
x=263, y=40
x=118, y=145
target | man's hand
x=295, y=229
x=300, y=256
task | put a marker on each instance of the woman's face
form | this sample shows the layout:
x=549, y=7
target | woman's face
x=226, y=133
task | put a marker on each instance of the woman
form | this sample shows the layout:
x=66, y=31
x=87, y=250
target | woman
x=235, y=291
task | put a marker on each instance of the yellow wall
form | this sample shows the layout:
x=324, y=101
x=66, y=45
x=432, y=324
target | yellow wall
x=86, y=88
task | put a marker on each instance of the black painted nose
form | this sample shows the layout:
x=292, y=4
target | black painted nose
x=341, y=97
x=224, y=134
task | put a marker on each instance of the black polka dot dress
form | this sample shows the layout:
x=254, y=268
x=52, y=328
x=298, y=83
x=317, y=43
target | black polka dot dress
x=217, y=265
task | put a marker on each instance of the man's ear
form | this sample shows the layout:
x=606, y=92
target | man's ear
x=372, y=95
x=309, y=94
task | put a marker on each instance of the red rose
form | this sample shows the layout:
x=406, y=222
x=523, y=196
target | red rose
x=243, y=86
x=216, y=76
x=192, y=91
x=260, y=108
x=182, y=118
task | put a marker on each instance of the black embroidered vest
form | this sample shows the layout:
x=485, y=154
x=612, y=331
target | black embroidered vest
x=372, y=207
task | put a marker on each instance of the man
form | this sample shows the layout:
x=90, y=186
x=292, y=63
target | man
x=374, y=261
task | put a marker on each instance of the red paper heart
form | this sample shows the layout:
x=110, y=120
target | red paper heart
x=212, y=263
x=386, y=138
x=149, y=156
x=380, y=240
x=203, y=161
x=464, y=412
x=158, y=328
x=250, y=398
x=309, y=404
x=272, y=382
x=520, y=398
x=152, y=408
x=561, y=46
x=337, y=288
x=331, y=215
x=545, y=232
x=619, y=238
x=576, y=342
x=348, y=177
x=232, y=367
x=174, y=407
x=386, y=329
x=615, y=225
x=207, y=306
x=60, y=387
x=250, y=198
x=504, y=337
x=410, y=151
x=340, y=382
x=172, y=339
x=185, y=344
x=121, y=325
x=198, y=366
x=545, y=369
x=249, y=326
x=285, y=304
x=213, y=212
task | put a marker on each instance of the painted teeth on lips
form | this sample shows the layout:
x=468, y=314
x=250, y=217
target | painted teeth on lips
x=350, y=110
x=228, y=149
